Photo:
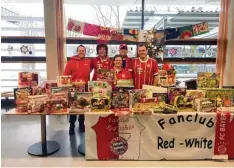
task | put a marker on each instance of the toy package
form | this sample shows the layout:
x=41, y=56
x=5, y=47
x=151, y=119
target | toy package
x=36, y=103
x=80, y=101
x=183, y=103
x=136, y=95
x=57, y=104
x=143, y=108
x=64, y=81
x=224, y=97
x=126, y=83
x=21, y=97
x=195, y=94
x=205, y=105
x=175, y=91
x=38, y=90
x=161, y=97
x=48, y=84
x=100, y=104
x=79, y=86
x=105, y=75
x=120, y=100
x=27, y=79
x=208, y=80
x=100, y=88
x=167, y=78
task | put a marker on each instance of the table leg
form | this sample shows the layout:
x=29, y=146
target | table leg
x=81, y=147
x=43, y=148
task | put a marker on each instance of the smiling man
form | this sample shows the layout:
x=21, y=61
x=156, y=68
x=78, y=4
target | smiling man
x=145, y=69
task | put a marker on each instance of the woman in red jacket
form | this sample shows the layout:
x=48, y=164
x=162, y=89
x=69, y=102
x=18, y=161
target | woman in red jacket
x=79, y=68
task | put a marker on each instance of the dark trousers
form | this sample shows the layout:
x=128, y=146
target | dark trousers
x=73, y=118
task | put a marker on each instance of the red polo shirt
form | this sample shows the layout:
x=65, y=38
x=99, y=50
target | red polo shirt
x=128, y=63
x=144, y=71
x=123, y=74
x=78, y=68
x=98, y=63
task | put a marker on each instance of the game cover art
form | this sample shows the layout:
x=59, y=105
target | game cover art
x=27, y=79
x=120, y=100
x=175, y=91
x=208, y=80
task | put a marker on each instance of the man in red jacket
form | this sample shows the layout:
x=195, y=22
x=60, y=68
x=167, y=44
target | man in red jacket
x=145, y=69
x=79, y=68
x=102, y=61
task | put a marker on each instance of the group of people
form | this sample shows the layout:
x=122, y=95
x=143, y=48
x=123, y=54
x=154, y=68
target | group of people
x=142, y=69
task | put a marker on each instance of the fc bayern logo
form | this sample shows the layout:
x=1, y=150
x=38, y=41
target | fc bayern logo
x=118, y=145
x=222, y=149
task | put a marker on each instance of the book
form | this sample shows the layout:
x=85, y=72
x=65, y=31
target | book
x=80, y=101
x=27, y=79
x=36, y=103
x=120, y=100
x=208, y=80
x=173, y=92
x=224, y=97
x=105, y=75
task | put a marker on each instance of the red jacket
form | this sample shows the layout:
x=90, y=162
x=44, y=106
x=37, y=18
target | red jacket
x=78, y=68
x=97, y=63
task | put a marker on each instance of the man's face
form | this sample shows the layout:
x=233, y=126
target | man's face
x=123, y=51
x=102, y=51
x=142, y=52
x=81, y=52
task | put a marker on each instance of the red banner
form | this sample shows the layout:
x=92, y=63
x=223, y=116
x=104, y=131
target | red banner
x=224, y=137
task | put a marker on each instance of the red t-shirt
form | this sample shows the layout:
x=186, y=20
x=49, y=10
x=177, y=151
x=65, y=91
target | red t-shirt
x=144, y=71
x=128, y=63
x=123, y=74
x=98, y=63
x=78, y=68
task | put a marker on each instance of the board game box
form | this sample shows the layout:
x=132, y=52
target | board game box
x=195, y=94
x=205, y=105
x=167, y=78
x=27, y=79
x=56, y=104
x=38, y=90
x=100, y=88
x=80, y=101
x=175, y=91
x=21, y=99
x=120, y=100
x=208, y=80
x=36, y=103
x=136, y=95
x=161, y=97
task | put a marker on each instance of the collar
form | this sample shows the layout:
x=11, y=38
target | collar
x=118, y=71
x=105, y=59
x=147, y=58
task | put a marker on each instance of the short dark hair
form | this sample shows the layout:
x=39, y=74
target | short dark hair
x=142, y=45
x=117, y=56
x=80, y=46
x=100, y=46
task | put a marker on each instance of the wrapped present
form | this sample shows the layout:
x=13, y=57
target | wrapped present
x=27, y=79
x=64, y=81
x=100, y=104
x=36, y=103
x=120, y=100
x=80, y=101
x=175, y=91
x=38, y=90
x=208, y=80
x=205, y=105
x=57, y=104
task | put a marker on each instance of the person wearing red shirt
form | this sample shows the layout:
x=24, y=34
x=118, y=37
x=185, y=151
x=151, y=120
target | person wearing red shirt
x=127, y=61
x=102, y=61
x=145, y=69
x=79, y=68
x=120, y=73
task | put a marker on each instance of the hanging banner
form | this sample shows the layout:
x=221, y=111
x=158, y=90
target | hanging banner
x=183, y=136
x=200, y=28
x=75, y=26
x=185, y=32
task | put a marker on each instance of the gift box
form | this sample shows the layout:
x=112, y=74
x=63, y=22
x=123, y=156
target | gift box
x=27, y=79
x=121, y=111
x=64, y=81
x=167, y=78
x=105, y=75
x=175, y=91
x=56, y=104
x=36, y=103
x=80, y=101
x=183, y=103
x=100, y=104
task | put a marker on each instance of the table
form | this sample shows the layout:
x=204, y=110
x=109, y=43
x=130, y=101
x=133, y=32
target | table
x=46, y=148
x=182, y=136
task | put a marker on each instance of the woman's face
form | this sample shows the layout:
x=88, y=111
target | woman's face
x=118, y=62
x=102, y=51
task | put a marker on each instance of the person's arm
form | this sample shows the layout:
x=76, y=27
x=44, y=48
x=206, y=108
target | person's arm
x=67, y=71
x=155, y=73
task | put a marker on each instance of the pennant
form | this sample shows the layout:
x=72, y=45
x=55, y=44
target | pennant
x=172, y=33
x=91, y=29
x=132, y=32
x=200, y=28
x=75, y=26
x=185, y=32
x=158, y=37
x=116, y=34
